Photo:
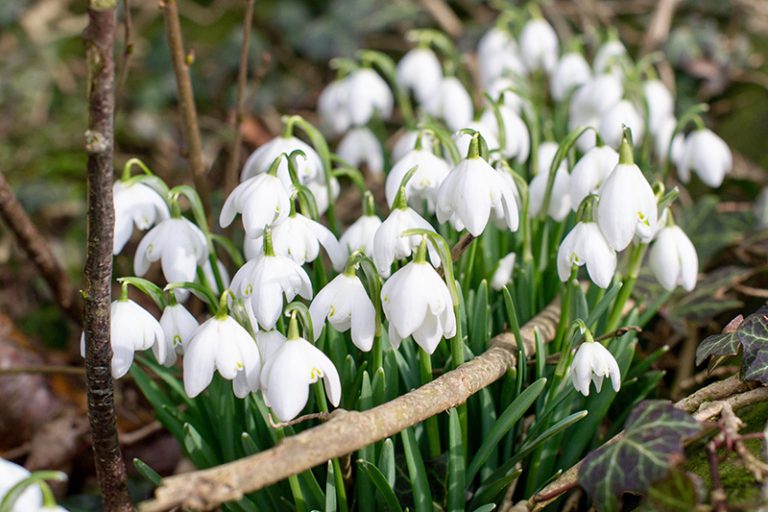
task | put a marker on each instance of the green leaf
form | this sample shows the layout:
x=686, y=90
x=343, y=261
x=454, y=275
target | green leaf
x=382, y=485
x=493, y=491
x=198, y=448
x=456, y=463
x=726, y=344
x=147, y=472
x=422, y=497
x=387, y=461
x=680, y=491
x=330, y=489
x=653, y=438
x=753, y=335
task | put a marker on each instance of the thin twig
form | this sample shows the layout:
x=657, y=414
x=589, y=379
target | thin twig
x=322, y=416
x=181, y=62
x=621, y=331
x=64, y=370
x=138, y=435
x=349, y=431
x=230, y=178
x=719, y=499
x=37, y=249
x=99, y=39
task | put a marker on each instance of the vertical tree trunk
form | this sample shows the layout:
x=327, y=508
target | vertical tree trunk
x=99, y=39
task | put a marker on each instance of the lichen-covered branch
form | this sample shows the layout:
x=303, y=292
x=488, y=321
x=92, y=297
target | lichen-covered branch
x=348, y=431
x=99, y=39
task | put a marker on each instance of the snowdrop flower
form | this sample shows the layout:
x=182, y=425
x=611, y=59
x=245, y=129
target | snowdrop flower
x=221, y=344
x=332, y=106
x=560, y=200
x=320, y=192
x=590, y=172
x=179, y=245
x=498, y=55
x=308, y=166
x=571, y=71
x=608, y=57
x=464, y=138
x=471, y=191
x=708, y=155
x=389, y=244
x=417, y=303
x=132, y=329
x=262, y=283
x=422, y=187
x=660, y=103
x=662, y=137
x=268, y=343
x=539, y=46
x=360, y=146
x=613, y=120
x=135, y=204
x=360, y=235
x=178, y=326
x=262, y=200
x=588, y=104
x=517, y=141
x=499, y=90
x=450, y=102
x=627, y=205
x=673, y=259
x=503, y=273
x=592, y=363
x=291, y=369
x=210, y=277
x=11, y=474
x=585, y=244
x=298, y=237
x=345, y=303
x=419, y=71
x=407, y=141
x=368, y=94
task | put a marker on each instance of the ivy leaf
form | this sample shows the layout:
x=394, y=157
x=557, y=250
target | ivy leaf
x=680, y=491
x=652, y=441
x=753, y=335
x=724, y=344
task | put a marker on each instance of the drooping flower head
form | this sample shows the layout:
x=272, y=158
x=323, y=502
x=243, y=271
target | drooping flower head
x=673, y=259
x=591, y=364
x=135, y=204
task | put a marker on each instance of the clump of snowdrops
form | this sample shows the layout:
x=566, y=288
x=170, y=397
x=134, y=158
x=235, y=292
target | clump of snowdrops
x=555, y=165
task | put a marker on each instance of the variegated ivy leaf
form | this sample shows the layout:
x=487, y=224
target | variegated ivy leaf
x=753, y=335
x=724, y=344
x=652, y=442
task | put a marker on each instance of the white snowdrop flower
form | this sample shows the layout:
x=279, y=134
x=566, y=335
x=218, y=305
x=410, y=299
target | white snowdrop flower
x=360, y=235
x=290, y=370
x=586, y=245
x=450, y=102
x=662, y=136
x=179, y=245
x=178, y=326
x=11, y=474
x=262, y=283
x=608, y=57
x=560, y=199
x=503, y=273
x=673, y=259
x=463, y=139
x=422, y=187
x=517, y=141
x=592, y=363
x=368, y=94
x=299, y=238
x=471, y=191
x=320, y=192
x=498, y=55
x=222, y=344
x=591, y=171
x=407, y=142
x=539, y=46
x=417, y=303
x=661, y=104
x=135, y=204
x=308, y=166
x=419, y=71
x=613, y=121
x=132, y=329
x=588, y=104
x=571, y=72
x=332, y=106
x=346, y=305
x=360, y=146
x=708, y=155
x=268, y=343
x=627, y=205
x=262, y=200
x=389, y=244
x=499, y=89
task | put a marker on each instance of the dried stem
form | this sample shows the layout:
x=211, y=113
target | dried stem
x=348, y=431
x=99, y=39
x=189, y=123
x=37, y=249
x=230, y=178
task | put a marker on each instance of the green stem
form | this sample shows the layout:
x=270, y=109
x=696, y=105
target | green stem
x=293, y=480
x=378, y=354
x=636, y=259
x=338, y=476
x=565, y=310
x=433, y=430
x=457, y=359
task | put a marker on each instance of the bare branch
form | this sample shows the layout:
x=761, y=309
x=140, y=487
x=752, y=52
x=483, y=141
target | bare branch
x=99, y=39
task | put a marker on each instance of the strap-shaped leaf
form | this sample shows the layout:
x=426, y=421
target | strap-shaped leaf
x=653, y=436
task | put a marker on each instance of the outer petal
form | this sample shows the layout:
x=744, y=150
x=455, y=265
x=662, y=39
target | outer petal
x=199, y=360
x=320, y=306
x=363, y=319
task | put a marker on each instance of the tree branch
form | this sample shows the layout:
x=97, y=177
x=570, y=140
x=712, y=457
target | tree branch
x=36, y=248
x=348, y=431
x=99, y=39
x=189, y=123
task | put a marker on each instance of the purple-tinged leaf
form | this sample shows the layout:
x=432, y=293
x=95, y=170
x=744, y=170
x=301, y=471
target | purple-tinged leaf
x=753, y=335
